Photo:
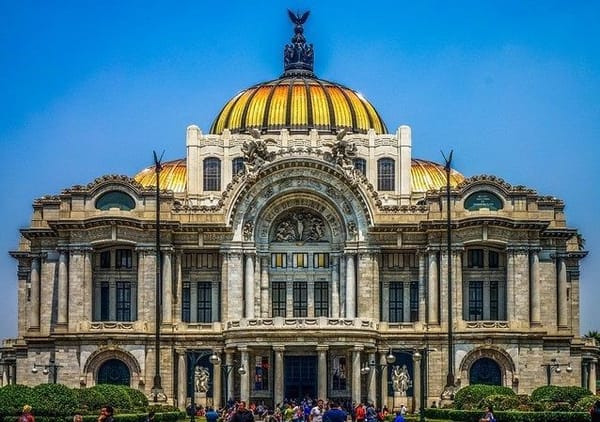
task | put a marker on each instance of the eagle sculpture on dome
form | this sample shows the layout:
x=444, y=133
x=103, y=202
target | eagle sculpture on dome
x=298, y=19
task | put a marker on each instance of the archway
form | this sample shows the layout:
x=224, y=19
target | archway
x=485, y=371
x=114, y=371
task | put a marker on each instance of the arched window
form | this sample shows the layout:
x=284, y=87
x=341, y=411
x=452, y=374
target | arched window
x=485, y=371
x=212, y=174
x=385, y=174
x=360, y=164
x=114, y=371
x=237, y=166
x=115, y=199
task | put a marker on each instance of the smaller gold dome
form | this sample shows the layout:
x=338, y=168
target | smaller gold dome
x=426, y=175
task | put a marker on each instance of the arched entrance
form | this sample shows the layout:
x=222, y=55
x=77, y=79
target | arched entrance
x=485, y=371
x=114, y=371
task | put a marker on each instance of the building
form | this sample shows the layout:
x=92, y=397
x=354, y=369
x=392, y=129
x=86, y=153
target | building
x=303, y=251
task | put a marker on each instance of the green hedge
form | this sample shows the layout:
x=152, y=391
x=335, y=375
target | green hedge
x=510, y=416
x=471, y=396
x=553, y=393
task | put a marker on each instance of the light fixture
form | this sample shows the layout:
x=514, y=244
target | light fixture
x=34, y=369
x=242, y=370
x=390, y=358
x=569, y=367
x=45, y=371
x=557, y=370
x=365, y=369
x=214, y=359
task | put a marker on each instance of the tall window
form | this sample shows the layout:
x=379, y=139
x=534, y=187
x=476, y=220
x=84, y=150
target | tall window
x=204, y=302
x=278, y=299
x=414, y=301
x=123, y=258
x=321, y=260
x=237, y=166
x=185, y=302
x=123, y=301
x=321, y=299
x=396, y=302
x=105, y=259
x=475, y=300
x=105, y=301
x=300, y=260
x=360, y=164
x=385, y=174
x=212, y=174
x=475, y=258
x=300, y=299
x=278, y=260
x=494, y=300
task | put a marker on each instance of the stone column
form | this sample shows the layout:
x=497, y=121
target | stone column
x=177, y=287
x=193, y=301
x=167, y=289
x=562, y=293
x=249, y=286
x=322, y=370
x=4, y=376
x=406, y=301
x=214, y=294
x=457, y=285
x=264, y=286
x=88, y=282
x=181, y=379
x=592, y=377
x=417, y=380
x=34, y=304
x=112, y=302
x=510, y=284
x=335, y=287
x=534, y=286
x=356, y=374
x=278, y=375
x=384, y=378
x=229, y=364
x=421, y=287
x=63, y=288
x=245, y=377
x=433, y=289
x=217, y=382
x=372, y=381
x=350, y=287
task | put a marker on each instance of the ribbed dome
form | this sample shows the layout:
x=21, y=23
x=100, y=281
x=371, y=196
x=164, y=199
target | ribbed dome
x=426, y=175
x=298, y=103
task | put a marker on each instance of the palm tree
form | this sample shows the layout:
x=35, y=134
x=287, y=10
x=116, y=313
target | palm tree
x=595, y=335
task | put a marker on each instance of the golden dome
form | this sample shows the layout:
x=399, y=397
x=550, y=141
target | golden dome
x=298, y=103
x=426, y=175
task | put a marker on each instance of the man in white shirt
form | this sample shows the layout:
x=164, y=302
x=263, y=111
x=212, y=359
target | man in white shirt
x=316, y=413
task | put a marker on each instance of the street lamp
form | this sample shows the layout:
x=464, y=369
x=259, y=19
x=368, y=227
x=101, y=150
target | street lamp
x=390, y=358
x=554, y=366
x=226, y=369
x=50, y=368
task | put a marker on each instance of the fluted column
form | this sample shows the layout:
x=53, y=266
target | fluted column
x=178, y=287
x=181, y=379
x=417, y=380
x=249, y=285
x=433, y=290
x=34, y=303
x=372, y=381
x=264, y=287
x=350, y=287
x=356, y=374
x=562, y=292
x=534, y=286
x=592, y=377
x=245, y=377
x=384, y=378
x=167, y=289
x=335, y=288
x=278, y=390
x=322, y=370
x=217, y=382
x=421, y=287
x=63, y=286
x=229, y=364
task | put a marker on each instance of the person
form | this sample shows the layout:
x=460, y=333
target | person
x=334, y=414
x=403, y=410
x=360, y=412
x=150, y=417
x=316, y=413
x=370, y=413
x=488, y=416
x=26, y=415
x=211, y=415
x=399, y=417
x=77, y=417
x=595, y=411
x=106, y=414
x=242, y=414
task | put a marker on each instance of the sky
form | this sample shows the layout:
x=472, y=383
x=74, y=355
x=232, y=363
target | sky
x=90, y=88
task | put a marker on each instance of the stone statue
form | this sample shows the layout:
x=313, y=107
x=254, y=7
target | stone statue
x=255, y=152
x=400, y=379
x=342, y=152
x=201, y=376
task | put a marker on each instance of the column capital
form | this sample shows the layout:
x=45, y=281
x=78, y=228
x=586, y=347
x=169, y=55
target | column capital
x=180, y=351
x=322, y=348
x=279, y=347
x=358, y=348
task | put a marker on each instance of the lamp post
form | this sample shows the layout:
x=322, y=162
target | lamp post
x=554, y=366
x=51, y=368
x=378, y=367
x=226, y=369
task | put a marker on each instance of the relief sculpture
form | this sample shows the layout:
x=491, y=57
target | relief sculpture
x=300, y=226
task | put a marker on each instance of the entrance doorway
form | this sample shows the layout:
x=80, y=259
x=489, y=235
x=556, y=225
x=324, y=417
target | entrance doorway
x=300, y=377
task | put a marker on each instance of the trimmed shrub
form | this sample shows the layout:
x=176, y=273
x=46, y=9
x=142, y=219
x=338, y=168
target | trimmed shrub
x=54, y=400
x=13, y=397
x=138, y=398
x=584, y=404
x=510, y=416
x=115, y=395
x=554, y=393
x=470, y=397
x=500, y=402
x=89, y=399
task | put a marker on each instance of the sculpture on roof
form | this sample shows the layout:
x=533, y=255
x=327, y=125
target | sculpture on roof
x=298, y=57
x=255, y=152
x=343, y=152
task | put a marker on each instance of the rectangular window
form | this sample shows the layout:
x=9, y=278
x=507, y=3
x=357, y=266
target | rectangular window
x=104, y=301
x=261, y=373
x=475, y=258
x=475, y=300
x=300, y=299
x=414, y=301
x=278, y=299
x=396, y=301
x=399, y=260
x=386, y=174
x=340, y=376
x=321, y=260
x=321, y=298
x=494, y=300
x=493, y=259
x=123, y=301
x=105, y=259
x=360, y=164
x=185, y=302
x=189, y=260
x=300, y=260
x=124, y=258
x=278, y=260
x=212, y=174
x=204, y=302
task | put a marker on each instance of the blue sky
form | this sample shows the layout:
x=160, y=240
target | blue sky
x=92, y=87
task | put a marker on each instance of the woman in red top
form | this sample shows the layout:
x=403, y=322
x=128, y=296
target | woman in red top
x=26, y=416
